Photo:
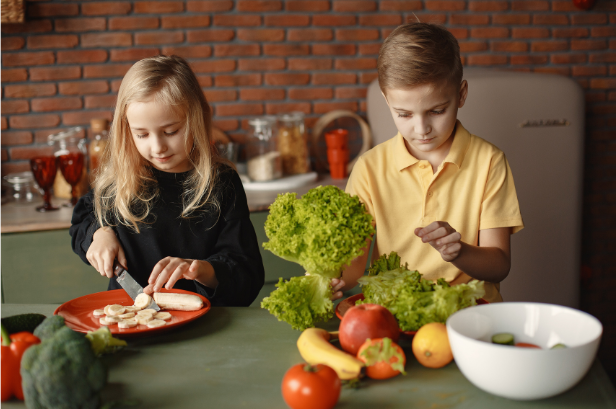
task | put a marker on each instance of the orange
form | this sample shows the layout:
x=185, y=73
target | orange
x=431, y=345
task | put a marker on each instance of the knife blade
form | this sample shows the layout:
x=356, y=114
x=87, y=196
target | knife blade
x=128, y=283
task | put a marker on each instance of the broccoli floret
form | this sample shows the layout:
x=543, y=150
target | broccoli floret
x=48, y=327
x=62, y=372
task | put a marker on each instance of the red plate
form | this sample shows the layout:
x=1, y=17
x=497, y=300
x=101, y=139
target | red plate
x=344, y=305
x=78, y=313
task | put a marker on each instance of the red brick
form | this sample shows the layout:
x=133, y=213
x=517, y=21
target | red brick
x=4, y=124
x=310, y=64
x=568, y=58
x=194, y=51
x=262, y=64
x=226, y=124
x=258, y=5
x=213, y=66
x=239, y=109
x=106, y=40
x=14, y=75
x=133, y=23
x=132, y=54
x=16, y=138
x=543, y=46
x=351, y=93
x=509, y=46
x=603, y=58
x=536, y=32
x=27, y=153
x=115, y=85
x=530, y=5
x=307, y=5
x=333, y=78
x=159, y=37
x=55, y=73
x=493, y=32
x=237, y=80
x=428, y=18
x=588, y=45
x=333, y=49
x=286, y=49
x=100, y=101
x=488, y=5
x=12, y=43
x=5, y=156
x=589, y=19
x=285, y=20
x=529, y=59
x=80, y=24
x=325, y=107
x=105, y=8
x=472, y=46
x=15, y=106
x=602, y=83
x=27, y=58
x=354, y=5
x=603, y=31
x=84, y=118
x=29, y=27
x=310, y=34
x=470, y=19
x=260, y=35
x=52, y=10
x=311, y=93
x=445, y=5
x=369, y=49
x=158, y=7
x=613, y=70
x=360, y=34
x=333, y=20
x=105, y=70
x=81, y=56
x=282, y=107
x=33, y=121
x=55, y=104
x=185, y=21
x=206, y=36
x=484, y=59
x=287, y=79
x=219, y=95
x=356, y=64
x=550, y=19
x=564, y=5
x=570, y=32
x=462, y=33
x=605, y=6
x=261, y=94
x=83, y=87
x=29, y=90
x=237, y=20
x=380, y=20
x=511, y=19
x=235, y=50
x=588, y=71
x=53, y=41
x=14, y=167
x=397, y=5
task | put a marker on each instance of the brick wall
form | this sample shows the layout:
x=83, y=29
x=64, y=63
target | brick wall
x=64, y=66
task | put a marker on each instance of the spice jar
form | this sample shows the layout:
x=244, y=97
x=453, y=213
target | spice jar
x=262, y=158
x=100, y=131
x=292, y=143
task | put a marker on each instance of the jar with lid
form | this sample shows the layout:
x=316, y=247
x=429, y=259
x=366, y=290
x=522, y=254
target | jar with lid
x=70, y=152
x=292, y=143
x=262, y=158
x=100, y=132
x=22, y=187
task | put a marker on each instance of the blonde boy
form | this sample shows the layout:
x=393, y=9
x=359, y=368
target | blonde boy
x=442, y=198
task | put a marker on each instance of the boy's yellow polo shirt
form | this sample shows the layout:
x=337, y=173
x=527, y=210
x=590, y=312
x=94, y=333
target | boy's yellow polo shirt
x=472, y=190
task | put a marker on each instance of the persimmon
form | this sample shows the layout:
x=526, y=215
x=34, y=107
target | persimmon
x=384, y=358
x=431, y=345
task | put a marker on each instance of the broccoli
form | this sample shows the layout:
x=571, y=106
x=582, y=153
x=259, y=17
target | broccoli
x=62, y=371
x=49, y=326
x=324, y=230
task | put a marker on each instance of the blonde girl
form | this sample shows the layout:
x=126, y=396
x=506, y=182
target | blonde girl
x=165, y=205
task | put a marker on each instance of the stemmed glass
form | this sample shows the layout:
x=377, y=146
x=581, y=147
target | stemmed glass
x=44, y=169
x=71, y=166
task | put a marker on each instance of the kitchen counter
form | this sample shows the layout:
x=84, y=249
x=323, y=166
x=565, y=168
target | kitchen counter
x=24, y=218
x=237, y=357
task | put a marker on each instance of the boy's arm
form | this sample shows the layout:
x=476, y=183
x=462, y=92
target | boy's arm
x=354, y=271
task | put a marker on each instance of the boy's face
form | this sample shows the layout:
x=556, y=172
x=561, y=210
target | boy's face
x=426, y=116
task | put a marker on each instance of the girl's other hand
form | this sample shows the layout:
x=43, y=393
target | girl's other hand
x=105, y=248
x=170, y=269
x=444, y=238
x=337, y=284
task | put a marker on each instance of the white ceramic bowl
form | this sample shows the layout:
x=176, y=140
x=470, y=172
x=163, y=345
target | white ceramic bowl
x=524, y=373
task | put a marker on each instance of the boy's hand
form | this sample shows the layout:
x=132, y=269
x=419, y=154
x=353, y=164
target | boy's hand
x=105, y=248
x=337, y=284
x=443, y=238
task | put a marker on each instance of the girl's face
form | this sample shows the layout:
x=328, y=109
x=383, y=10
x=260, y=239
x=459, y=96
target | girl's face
x=158, y=133
x=426, y=116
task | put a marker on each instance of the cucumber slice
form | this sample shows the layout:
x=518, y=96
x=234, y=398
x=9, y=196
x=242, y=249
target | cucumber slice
x=559, y=346
x=503, y=338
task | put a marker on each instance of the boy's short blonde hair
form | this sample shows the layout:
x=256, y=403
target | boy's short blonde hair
x=417, y=54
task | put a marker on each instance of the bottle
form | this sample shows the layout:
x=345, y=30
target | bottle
x=262, y=158
x=100, y=133
x=292, y=143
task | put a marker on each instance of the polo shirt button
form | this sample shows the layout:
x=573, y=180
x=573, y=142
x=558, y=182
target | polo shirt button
x=430, y=193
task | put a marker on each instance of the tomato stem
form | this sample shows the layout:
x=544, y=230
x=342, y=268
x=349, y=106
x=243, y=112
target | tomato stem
x=310, y=368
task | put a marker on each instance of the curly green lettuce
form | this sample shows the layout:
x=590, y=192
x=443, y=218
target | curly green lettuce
x=322, y=231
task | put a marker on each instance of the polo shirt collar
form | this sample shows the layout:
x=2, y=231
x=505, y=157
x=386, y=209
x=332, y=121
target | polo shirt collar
x=456, y=153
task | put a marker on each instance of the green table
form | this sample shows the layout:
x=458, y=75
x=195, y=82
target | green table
x=236, y=357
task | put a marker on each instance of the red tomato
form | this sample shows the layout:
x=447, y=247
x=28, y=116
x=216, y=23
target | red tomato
x=526, y=345
x=381, y=369
x=307, y=386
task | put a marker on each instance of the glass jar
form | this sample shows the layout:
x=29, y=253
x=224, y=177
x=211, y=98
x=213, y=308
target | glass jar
x=22, y=187
x=292, y=143
x=100, y=132
x=262, y=158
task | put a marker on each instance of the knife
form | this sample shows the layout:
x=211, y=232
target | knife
x=128, y=283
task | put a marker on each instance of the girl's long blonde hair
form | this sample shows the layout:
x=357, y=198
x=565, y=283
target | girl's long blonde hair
x=125, y=188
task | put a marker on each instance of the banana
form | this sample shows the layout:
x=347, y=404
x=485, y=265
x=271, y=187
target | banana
x=142, y=301
x=180, y=302
x=315, y=348
x=163, y=316
x=156, y=323
x=129, y=323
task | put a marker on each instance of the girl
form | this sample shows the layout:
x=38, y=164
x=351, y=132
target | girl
x=164, y=204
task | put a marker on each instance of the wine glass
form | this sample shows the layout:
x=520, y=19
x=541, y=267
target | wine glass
x=44, y=169
x=71, y=166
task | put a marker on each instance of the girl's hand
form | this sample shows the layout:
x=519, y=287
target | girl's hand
x=105, y=248
x=443, y=238
x=337, y=284
x=170, y=269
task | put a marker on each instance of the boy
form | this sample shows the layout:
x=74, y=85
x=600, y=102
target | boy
x=442, y=198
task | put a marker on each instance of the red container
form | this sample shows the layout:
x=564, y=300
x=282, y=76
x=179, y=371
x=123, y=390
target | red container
x=338, y=156
x=337, y=139
x=337, y=170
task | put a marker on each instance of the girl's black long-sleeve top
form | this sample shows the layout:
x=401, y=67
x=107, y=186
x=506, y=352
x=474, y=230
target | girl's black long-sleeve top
x=224, y=237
